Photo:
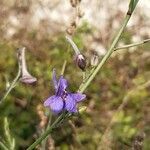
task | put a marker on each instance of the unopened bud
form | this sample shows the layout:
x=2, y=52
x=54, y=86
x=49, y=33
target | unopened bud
x=81, y=61
x=94, y=60
x=82, y=109
x=26, y=77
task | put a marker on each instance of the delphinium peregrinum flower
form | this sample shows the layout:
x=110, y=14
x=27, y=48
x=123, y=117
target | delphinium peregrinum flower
x=63, y=99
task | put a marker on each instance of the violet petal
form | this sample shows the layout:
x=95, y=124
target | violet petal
x=70, y=103
x=78, y=96
x=55, y=103
x=62, y=85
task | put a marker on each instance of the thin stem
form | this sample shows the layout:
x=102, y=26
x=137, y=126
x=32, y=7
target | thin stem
x=74, y=46
x=65, y=62
x=12, y=85
x=2, y=145
x=46, y=128
x=132, y=45
x=46, y=133
x=64, y=67
x=107, y=55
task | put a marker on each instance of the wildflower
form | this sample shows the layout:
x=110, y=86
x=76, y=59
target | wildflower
x=26, y=77
x=63, y=100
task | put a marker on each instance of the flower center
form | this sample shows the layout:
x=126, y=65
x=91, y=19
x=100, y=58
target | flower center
x=64, y=95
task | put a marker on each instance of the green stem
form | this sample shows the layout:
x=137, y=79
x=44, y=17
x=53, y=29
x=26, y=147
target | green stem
x=63, y=67
x=12, y=85
x=107, y=55
x=46, y=128
x=132, y=45
x=2, y=145
x=74, y=46
x=46, y=133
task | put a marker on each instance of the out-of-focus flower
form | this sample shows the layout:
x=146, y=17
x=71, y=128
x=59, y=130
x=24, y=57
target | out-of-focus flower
x=63, y=100
x=26, y=77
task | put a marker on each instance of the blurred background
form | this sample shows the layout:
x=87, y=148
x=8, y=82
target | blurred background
x=41, y=26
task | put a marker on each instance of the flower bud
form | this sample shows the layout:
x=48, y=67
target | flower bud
x=94, y=60
x=81, y=61
x=26, y=77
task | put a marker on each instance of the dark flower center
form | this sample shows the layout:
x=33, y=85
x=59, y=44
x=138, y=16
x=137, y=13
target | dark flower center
x=64, y=95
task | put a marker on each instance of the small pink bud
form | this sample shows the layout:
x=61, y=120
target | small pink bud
x=81, y=62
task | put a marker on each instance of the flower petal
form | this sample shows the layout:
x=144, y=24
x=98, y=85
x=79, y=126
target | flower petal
x=62, y=85
x=74, y=110
x=78, y=96
x=70, y=104
x=55, y=103
x=54, y=80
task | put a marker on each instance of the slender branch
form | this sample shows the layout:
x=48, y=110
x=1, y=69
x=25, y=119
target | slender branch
x=12, y=85
x=65, y=62
x=63, y=67
x=107, y=55
x=132, y=45
x=74, y=46
x=2, y=145
x=46, y=133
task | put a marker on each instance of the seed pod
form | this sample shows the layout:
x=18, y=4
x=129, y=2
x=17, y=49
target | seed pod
x=81, y=61
x=26, y=77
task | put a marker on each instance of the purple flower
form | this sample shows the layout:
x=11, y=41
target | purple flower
x=63, y=100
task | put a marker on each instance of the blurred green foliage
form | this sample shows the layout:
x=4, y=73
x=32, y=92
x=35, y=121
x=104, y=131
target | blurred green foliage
x=123, y=72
